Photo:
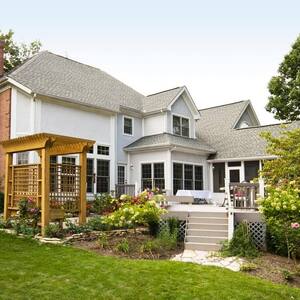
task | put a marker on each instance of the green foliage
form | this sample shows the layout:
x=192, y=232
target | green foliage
x=1, y=202
x=104, y=203
x=73, y=228
x=22, y=227
x=96, y=223
x=248, y=267
x=288, y=275
x=123, y=246
x=15, y=54
x=150, y=246
x=54, y=231
x=241, y=243
x=284, y=88
x=286, y=167
x=130, y=216
x=103, y=240
x=173, y=224
x=168, y=240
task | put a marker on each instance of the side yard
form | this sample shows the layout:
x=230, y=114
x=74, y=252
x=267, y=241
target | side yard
x=30, y=270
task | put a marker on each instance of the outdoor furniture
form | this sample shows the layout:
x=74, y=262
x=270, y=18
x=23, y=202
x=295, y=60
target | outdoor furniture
x=197, y=194
x=180, y=199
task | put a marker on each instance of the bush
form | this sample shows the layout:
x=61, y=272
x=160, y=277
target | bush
x=150, y=246
x=248, y=267
x=53, y=231
x=241, y=243
x=72, y=228
x=123, y=246
x=102, y=240
x=281, y=210
x=22, y=227
x=168, y=240
x=96, y=223
x=1, y=202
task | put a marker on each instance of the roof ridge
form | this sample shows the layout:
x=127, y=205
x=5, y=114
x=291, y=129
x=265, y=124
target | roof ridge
x=178, y=87
x=267, y=125
x=226, y=104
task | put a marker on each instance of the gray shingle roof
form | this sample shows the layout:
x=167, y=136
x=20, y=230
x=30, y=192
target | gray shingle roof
x=216, y=128
x=56, y=76
x=167, y=139
x=160, y=100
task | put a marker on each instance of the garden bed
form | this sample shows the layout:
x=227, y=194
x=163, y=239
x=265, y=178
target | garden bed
x=275, y=268
x=128, y=244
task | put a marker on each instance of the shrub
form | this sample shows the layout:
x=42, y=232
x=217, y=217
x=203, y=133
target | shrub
x=72, y=228
x=173, y=224
x=241, y=243
x=287, y=275
x=102, y=240
x=22, y=227
x=53, y=231
x=248, y=267
x=150, y=246
x=104, y=203
x=96, y=223
x=168, y=240
x=1, y=202
x=281, y=210
x=123, y=246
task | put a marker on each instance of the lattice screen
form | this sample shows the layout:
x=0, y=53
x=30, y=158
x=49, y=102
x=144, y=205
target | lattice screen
x=65, y=186
x=163, y=224
x=258, y=233
x=25, y=183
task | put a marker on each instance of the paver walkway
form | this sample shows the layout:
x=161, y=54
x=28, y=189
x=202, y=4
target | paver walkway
x=208, y=259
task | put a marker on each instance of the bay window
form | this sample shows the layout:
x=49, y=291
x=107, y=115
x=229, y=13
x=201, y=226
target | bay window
x=153, y=176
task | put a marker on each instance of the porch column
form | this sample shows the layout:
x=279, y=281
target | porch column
x=45, y=161
x=82, y=208
x=8, y=184
x=261, y=182
x=168, y=174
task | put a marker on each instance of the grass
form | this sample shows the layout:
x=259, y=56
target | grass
x=32, y=271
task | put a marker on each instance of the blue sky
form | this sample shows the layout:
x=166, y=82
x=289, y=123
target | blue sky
x=223, y=51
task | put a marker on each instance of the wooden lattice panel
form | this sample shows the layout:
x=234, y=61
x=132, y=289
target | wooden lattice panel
x=25, y=183
x=65, y=187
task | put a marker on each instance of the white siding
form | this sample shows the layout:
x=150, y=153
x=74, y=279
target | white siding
x=154, y=124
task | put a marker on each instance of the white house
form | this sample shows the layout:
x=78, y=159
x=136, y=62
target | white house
x=161, y=140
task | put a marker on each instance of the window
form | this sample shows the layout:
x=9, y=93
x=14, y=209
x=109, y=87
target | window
x=251, y=170
x=219, y=177
x=90, y=175
x=128, y=126
x=121, y=174
x=187, y=177
x=159, y=176
x=234, y=163
x=146, y=176
x=103, y=178
x=103, y=150
x=153, y=176
x=91, y=150
x=22, y=158
x=181, y=126
x=177, y=177
x=67, y=160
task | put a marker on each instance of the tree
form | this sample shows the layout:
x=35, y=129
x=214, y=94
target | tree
x=286, y=167
x=15, y=54
x=284, y=88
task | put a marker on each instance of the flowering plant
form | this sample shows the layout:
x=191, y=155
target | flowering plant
x=28, y=211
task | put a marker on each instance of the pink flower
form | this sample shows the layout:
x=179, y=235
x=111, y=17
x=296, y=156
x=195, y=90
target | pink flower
x=295, y=225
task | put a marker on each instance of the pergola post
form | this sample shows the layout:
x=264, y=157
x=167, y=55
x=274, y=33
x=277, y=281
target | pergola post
x=8, y=189
x=45, y=162
x=82, y=212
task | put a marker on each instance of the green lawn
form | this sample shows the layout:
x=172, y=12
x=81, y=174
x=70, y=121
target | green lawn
x=32, y=271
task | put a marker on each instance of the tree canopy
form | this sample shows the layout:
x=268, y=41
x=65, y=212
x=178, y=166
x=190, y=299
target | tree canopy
x=284, y=88
x=14, y=53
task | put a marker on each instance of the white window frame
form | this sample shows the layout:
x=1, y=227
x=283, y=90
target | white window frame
x=125, y=173
x=123, y=125
x=181, y=117
x=152, y=171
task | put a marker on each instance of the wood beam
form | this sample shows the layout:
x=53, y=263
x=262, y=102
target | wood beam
x=8, y=187
x=69, y=148
x=45, y=162
x=82, y=213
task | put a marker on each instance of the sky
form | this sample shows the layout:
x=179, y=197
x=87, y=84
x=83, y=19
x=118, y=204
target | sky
x=223, y=51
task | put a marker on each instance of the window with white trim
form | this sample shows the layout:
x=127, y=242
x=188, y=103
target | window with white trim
x=187, y=177
x=121, y=174
x=103, y=150
x=103, y=176
x=90, y=177
x=153, y=176
x=181, y=126
x=22, y=158
x=128, y=126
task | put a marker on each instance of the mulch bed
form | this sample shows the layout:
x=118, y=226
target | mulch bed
x=272, y=267
x=135, y=241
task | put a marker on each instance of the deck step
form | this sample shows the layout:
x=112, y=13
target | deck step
x=207, y=232
x=202, y=246
x=208, y=220
x=206, y=239
x=206, y=214
x=207, y=226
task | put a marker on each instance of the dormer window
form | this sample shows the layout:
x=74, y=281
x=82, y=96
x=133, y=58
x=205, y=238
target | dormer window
x=128, y=126
x=181, y=126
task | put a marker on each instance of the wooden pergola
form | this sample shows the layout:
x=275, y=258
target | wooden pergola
x=48, y=184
